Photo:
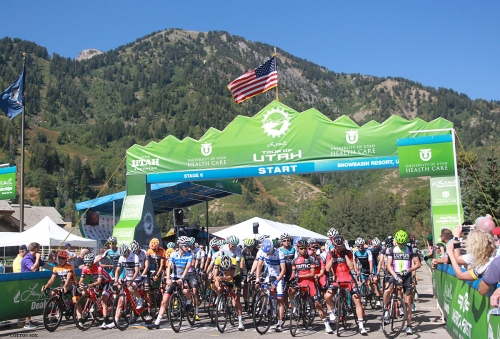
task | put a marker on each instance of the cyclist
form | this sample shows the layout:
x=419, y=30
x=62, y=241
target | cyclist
x=200, y=257
x=275, y=263
x=401, y=262
x=113, y=254
x=365, y=259
x=289, y=253
x=260, y=241
x=65, y=272
x=214, y=248
x=339, y=262
x=304, y=268
x=130, y=263
x=248, y=256
x=225, y=268
x=192, y=275
x=376, y=250
x=177, y=270
x=142, y=255
x=102, y=281
x=155, y=262
x=170, y=249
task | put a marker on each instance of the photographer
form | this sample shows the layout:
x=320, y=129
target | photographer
x=480, y=248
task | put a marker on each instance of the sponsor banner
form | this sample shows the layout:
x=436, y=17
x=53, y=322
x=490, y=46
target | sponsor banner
x=286, y=169
x=426, y=159
x=445, y=204
x=275, y=136
x=8, y=183
x=466, y=311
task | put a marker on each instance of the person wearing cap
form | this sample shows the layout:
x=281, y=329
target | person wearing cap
x=71, y=254
x=16, y=265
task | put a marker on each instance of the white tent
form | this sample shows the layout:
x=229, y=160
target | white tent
x=46, y=233
x=272, y=228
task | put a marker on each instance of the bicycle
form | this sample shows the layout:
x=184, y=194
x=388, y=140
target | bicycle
x=90, y=308
x=342, y=307
x=302, y=308
x=177, y=307
x=55, y=308
x=224, y=307
x=265, y=309
x=129, y=310
x=394, y=314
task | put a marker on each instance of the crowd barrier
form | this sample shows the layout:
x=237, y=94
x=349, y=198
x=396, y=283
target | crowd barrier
x=465, y=310
x=21, y=294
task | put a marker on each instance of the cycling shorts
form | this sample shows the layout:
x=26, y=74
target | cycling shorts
x=350, y=285
x=407, y=287
x=313, y=293
x=280, y=288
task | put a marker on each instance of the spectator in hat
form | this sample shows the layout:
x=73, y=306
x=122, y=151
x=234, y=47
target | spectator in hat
x=16, y=265
x=71, y=254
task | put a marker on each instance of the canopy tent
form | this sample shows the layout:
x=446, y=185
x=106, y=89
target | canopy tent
x=47, y=233
x=272, y=228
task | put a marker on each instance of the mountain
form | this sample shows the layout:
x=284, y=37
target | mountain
x=87, y=54
x=83, y=114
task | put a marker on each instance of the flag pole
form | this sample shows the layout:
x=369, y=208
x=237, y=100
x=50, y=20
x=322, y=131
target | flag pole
x=277, y=84
x=21, y=203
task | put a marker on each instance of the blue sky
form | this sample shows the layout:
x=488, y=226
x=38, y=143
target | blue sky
x=452, y=44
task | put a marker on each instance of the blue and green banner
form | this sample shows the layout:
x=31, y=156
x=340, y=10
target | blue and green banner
x=446, y=206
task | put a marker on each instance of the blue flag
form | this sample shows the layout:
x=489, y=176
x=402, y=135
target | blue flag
x=12, y=99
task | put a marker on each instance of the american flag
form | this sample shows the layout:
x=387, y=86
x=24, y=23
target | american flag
x=255, y=81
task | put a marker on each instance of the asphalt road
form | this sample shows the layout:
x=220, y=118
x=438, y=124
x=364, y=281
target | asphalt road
x=426, y=324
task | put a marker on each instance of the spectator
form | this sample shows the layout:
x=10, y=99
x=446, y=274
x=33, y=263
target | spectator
x=447, y=238
x=480, y=248
x=52, y=260
x=490, y=280
x=79, y=261
x=71, y=254
x=31, y=263
x=16, y=265
x=103, y=260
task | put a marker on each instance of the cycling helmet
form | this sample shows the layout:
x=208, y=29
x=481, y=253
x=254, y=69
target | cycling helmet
x=284, y=236
x=112, y=239
x=134, y=246
x=338, y=240
x=89, y=258
x=401, y=237
x=191, y=241
x=375, y=242
x=171, y=245
x=154, y=244
x=328, y=245
x=301, y=243
x=63, y=254
x=225, y=263
x=213, y=242
x=123, y=249
x=267, y=246
x=249, y=242
x=222, y=242
x=276, y=242
x=332, y=232
x=183, y=240
x=262, y=238
x=233, y=240
x=359, y=242
x=311, y=241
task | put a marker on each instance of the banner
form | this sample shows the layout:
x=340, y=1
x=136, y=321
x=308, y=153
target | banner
x=8, y=183
x=426, y=156
x=445, y=204
x=274, y=137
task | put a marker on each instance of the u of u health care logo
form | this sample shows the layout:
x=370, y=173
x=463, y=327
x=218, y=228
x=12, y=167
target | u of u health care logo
x=206, y=149
x=351, y=137
x=426, y=154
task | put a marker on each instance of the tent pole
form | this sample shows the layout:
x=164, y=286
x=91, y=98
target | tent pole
x=206, y=223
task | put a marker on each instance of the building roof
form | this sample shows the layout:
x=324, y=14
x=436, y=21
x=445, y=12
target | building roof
x=34, y=214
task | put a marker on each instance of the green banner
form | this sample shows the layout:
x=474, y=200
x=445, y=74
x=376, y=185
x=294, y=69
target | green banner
x=445, y=204
x=276, y=135
x=8, y=183
x=418, y=157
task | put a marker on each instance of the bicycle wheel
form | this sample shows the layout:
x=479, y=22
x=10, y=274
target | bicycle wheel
x=52, y=314
x=175, y=312
x=88, y=310
x=397, y=318
x=231, y=312
x=363, y=293
x=343, y=314
x=123, y=317
x=212, y=306
x=338, y=309
x=151, y=307
x=190, y=311
x=309, y=312
x=221, y=313
x=295, y=315
x=262, y=314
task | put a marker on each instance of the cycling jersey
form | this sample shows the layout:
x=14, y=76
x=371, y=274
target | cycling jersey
x=114, y=256
x=224, y=250
x=364, y=257
x=249, y=257
x=142, y=259
x=273, y=262
x=302, y=266
x=129, y=264
x=401, y=258
x=340, y=267
x=154, y=258
x=179, y=263
x=96, y=272
x=289, y=255
x=233, y=265
x=375, y=254
x=62, y=273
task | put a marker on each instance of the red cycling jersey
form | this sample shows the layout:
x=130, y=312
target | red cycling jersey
x=340, y=267
x=96, y=272
x=303, y=265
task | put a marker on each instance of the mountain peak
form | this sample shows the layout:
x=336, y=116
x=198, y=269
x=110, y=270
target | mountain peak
x=88, y=53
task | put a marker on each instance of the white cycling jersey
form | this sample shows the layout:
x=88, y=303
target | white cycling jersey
x=273, y=262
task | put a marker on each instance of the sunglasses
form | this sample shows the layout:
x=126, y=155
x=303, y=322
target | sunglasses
x=61, y=258
x=302, y=248
x=112, y=243
x=286, y=240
